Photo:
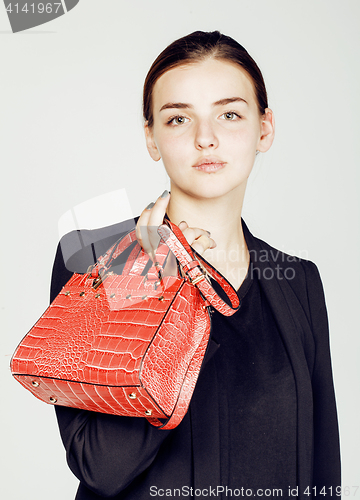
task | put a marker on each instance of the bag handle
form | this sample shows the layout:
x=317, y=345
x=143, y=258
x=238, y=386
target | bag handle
x=135, y=262
x=195, y=271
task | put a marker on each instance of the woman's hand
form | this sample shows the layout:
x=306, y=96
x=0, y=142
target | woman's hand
x=146, y=232
x=198, y=239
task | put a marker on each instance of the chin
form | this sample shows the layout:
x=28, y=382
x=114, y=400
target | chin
x=209, y=192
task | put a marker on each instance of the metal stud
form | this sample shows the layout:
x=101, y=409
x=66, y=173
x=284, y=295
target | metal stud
x=132, y=395
x=144, y=297
x=148, y=413
x=67, y=293
x=82, y=294
x=128, y=296
x=97, y=295
x=35, y=384
x=112, y=295
x=53, y=400
x=161, y=297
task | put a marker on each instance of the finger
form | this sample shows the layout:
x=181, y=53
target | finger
x=202, y=244
x=156, y=218
x=157, y=212
x=148, y=223
x=193, y=233
x=143, y=221
x=141, y=229
x=183, y=225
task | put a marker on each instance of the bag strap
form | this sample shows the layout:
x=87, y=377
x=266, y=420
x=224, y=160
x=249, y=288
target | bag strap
x=194, y=270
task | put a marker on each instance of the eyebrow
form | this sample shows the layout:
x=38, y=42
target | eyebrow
x=184, y=105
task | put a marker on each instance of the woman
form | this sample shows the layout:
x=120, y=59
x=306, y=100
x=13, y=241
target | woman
x=262, y=420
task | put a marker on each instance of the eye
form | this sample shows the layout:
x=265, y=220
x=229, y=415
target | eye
x=177, y=120
x=230, y=116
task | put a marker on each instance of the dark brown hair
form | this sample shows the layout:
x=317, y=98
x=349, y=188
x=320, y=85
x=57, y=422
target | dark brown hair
x=194, y=48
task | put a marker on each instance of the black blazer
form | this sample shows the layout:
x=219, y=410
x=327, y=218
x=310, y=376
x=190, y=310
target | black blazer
x=120, y=457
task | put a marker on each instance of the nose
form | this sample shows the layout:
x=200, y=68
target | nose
x=205, y=136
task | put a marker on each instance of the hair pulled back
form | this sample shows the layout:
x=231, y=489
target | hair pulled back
x=197, y=47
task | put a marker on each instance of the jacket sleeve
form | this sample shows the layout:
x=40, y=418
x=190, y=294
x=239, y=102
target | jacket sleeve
x=326, y=467
x=105, y=452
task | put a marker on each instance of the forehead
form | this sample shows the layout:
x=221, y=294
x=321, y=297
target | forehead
x=203, y=82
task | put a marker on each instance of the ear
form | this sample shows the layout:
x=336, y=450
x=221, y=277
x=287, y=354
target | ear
x=150, y=142
x=267, y=131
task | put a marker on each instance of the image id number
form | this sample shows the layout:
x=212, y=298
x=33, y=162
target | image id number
x=38, y=7
x=338, y=491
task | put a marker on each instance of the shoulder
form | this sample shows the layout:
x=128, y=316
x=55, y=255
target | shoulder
x=289, y=267
x=291, y=274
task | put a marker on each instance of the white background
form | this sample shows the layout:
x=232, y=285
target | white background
x=71, y=130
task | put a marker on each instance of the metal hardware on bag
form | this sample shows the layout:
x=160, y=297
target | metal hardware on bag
x=157, y=284
x=100, y=279
x=161, y=298
x=132, y=395
x=148, y=413
x=128, y=296
x=53, y=400
x=204, y=273
x=112, y=295
x=97, y=295
x=97, y=282
x=67, y=293
x=144, y=297
x=35, y=384
x=197, y=279
x=82, y=294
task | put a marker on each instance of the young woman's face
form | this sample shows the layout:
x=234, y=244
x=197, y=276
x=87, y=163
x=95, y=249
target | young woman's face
x=207, y=127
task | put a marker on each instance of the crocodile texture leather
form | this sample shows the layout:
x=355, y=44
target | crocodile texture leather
x=126, y=344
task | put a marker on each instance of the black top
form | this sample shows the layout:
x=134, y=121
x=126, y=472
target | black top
x=281, y=417
x=257, y=396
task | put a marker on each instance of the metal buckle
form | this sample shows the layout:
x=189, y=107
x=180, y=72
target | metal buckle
x=197, y=279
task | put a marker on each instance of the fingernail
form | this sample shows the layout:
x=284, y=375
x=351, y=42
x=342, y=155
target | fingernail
x=165, y=193
x=150, y=205
x=208, y=232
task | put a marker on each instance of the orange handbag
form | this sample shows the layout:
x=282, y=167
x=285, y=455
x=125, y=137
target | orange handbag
x=129, y=344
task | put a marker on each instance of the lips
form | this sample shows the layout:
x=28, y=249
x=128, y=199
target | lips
x=209, y=164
